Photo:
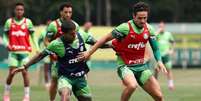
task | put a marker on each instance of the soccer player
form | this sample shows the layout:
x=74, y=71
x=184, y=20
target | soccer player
x=17, y=31
x=46, y=61
x=129, y=40
x=71, y=72
x=53, y=32
x=166, y=44
x=86, y=27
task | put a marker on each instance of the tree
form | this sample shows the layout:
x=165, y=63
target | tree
x=87, y=10
x=108, y=12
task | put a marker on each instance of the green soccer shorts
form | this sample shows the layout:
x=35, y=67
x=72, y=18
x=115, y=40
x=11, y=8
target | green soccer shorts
x=78, y=86
x=141, y=76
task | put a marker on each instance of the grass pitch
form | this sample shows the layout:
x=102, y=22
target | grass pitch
x=106, y=86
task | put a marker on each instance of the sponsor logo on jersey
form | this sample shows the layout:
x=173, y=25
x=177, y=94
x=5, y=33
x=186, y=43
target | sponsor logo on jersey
x=136, y=46
x=18, y=33
x=138, y=61
x=77, y=74
x=72, y=61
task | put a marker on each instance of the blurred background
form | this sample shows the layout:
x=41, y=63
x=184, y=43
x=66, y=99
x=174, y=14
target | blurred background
x=182, y=18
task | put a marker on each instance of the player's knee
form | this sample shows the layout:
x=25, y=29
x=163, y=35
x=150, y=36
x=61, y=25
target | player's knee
x=65, y=93
x=132, y=87
x=84, y=98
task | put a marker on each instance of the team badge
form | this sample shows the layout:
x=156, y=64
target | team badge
x=133, y=36
x=23, y=26
x=13, y=26
x=145, y=36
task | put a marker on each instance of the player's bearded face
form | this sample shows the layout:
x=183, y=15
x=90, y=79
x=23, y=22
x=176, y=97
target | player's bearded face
x=70, y=36
x=19, y=11
x=140, y=18
x=66, y=13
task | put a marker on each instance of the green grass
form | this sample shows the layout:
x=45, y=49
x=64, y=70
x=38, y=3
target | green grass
x=106, y=86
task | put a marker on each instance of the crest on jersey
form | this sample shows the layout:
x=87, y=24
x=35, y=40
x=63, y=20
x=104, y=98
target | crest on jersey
x=133, y=36
x=23, y=26
x=146, y=36
x=13, y=26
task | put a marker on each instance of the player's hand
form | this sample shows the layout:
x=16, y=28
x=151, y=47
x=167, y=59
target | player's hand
x=16, y=70
x=83, y=56
x=161, y=67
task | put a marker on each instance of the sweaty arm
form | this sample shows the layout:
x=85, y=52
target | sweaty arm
x=154, y=45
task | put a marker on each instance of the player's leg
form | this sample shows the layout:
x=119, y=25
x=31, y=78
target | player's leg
x=24, y=59
x=53, y=88
x=168, y=66
x=53, y=84
x=64, y=88
x=13, y=63
x=7, y=88
x=151, y=85
x=81, y=89
x=26, y=85
x=129, y=82
x=47, y=73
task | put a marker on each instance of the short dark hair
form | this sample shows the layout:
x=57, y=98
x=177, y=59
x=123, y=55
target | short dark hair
x=67, y=4
x=19, y=4
x=140, y=6
x=67, y=25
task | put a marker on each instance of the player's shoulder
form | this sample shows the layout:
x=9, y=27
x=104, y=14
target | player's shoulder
x=151, y=29
x=8, y=20
x=52, y=24
x=56, y=42
x=123, y=26
x=77, y=25
x=28, y=19
x=149, y=26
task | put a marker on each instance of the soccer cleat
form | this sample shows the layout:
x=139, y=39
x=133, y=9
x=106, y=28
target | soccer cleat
x=26, y=98
x=6, y=98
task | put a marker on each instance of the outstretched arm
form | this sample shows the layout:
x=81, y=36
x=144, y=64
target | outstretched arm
x=35, y=59
x=99, y=43
x=92, y=41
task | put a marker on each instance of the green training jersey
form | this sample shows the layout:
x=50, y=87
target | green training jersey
x=19, y=21
x=41, y=40
x=52, y=28
x=165, y=40
x=122, y=31
x=60, y=49
x=8, y=24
